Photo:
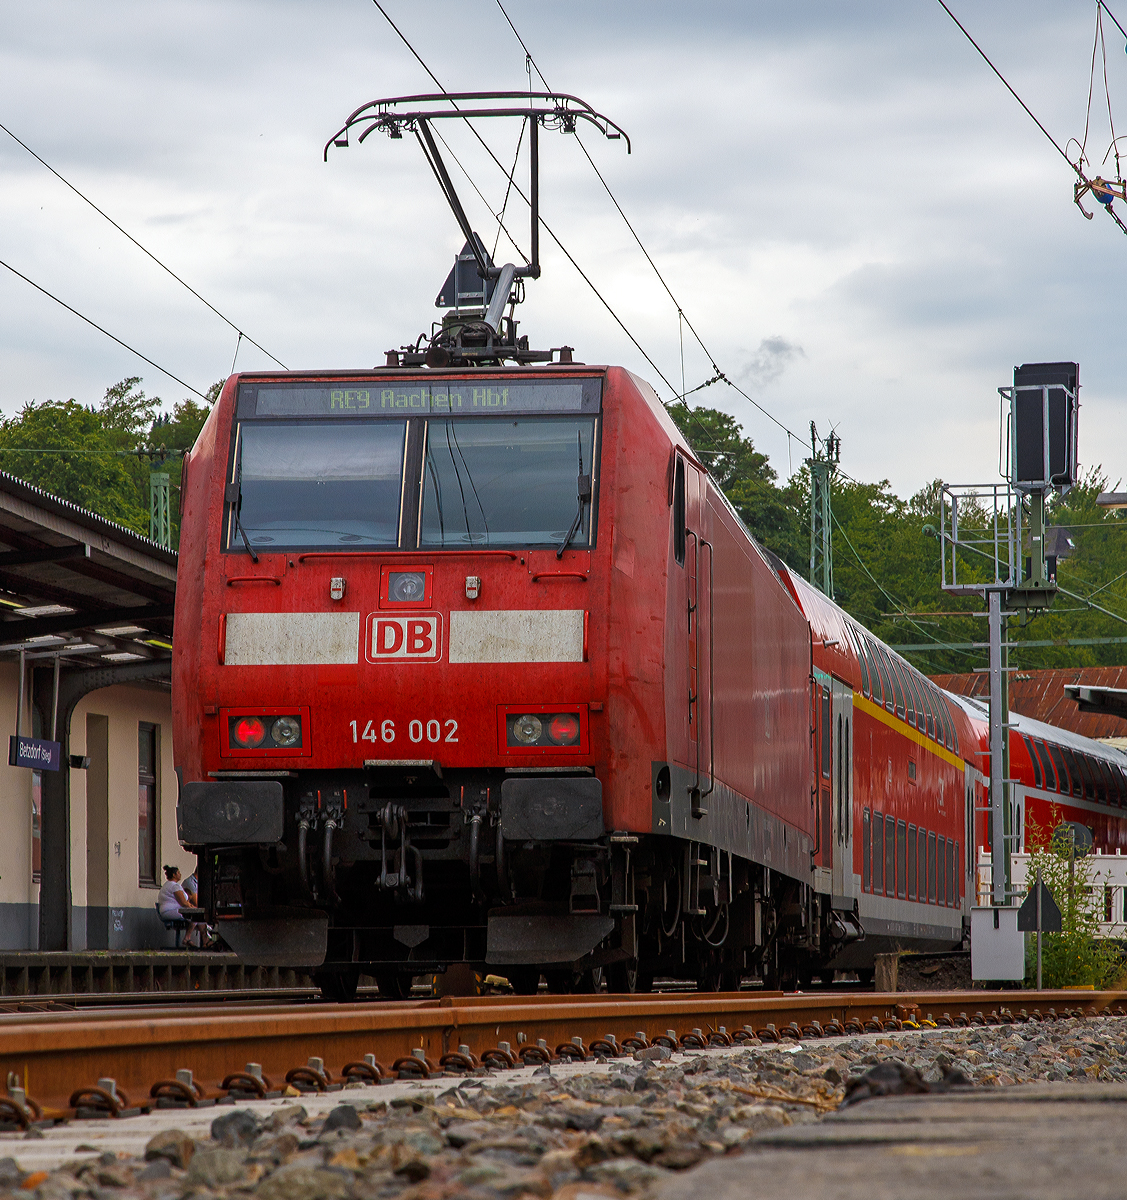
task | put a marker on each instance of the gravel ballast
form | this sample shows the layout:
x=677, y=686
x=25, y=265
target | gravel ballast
x=622, y=1126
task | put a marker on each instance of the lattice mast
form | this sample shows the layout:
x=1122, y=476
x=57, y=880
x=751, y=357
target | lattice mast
x=823, y=463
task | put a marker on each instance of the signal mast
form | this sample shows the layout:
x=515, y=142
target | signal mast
x=992, y=539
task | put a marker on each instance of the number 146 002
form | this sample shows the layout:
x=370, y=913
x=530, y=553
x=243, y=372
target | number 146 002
x=417, y=731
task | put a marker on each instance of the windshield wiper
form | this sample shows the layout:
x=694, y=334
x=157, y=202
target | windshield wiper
x=583, y=495
x=234, y=497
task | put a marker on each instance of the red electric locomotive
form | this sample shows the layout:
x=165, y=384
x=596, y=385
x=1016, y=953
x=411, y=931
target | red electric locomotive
x=482, y=667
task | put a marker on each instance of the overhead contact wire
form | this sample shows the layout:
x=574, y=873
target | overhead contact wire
x=1055, y=144
x=125, y=233
x=719, y=375
x=100, y=329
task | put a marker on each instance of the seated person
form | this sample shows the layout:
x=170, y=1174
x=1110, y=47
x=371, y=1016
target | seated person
x=171, y=899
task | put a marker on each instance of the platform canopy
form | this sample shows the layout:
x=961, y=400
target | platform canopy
x=92, y=602
x=75, y=585
x=1107, y=701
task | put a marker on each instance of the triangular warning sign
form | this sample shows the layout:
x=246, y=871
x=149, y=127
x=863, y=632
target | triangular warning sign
x=1050, y=912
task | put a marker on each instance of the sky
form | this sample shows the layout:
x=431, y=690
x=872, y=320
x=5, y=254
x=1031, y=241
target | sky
x=861, y=224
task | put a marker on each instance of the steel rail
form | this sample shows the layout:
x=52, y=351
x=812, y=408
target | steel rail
x=51, y=1054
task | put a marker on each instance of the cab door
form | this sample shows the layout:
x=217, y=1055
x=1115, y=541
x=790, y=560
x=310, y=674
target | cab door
x=690, y=624
x=841, y=792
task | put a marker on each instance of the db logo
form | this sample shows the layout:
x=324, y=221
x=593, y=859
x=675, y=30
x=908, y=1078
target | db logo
x=393, y=639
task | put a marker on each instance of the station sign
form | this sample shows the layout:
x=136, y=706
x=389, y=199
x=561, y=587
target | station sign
x=36, y=753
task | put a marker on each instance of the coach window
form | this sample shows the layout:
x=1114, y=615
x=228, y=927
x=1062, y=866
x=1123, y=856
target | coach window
x=901, y=675
x=1033, y=761
x=948, y=726
x=890, y=855
x=885, y=678
x=1097, y=790
x=1046, y=764
x=1058, y=762
x=1093, y=781
x=911, y=862
x=827, y=732
x=866, y=690
x=931, y=868
x=1111, y=783
x=1073, y=771
x=1080, y=761
x=855, y=642
x=679, y=510
x=955, y=891
x=876, y=686
x=875, y=691
x=929, y=712
x=878, y=852
x=941, y=870
x=921, y=860
x=902, y=859
x=917, y=703
x=866, y=852
x=1105, y=776
x=897, y=689
x=940, y=717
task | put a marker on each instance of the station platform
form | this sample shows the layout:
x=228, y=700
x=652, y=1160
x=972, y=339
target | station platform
x=28, y=973
x=1027, y=1142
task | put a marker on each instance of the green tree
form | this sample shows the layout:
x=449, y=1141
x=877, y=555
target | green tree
x=88, y=454
x=64, y=448
x=746, y=477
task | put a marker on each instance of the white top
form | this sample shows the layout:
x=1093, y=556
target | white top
x=169, y=899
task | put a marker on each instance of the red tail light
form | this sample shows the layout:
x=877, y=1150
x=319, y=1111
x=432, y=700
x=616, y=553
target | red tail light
x=563, y=729
x=248, y=732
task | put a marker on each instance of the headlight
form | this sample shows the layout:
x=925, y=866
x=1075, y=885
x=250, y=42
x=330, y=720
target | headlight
x=406, y=587
x=527, y=730
x=286, y=731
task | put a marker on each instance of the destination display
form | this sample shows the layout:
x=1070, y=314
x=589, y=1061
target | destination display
x=484, y=397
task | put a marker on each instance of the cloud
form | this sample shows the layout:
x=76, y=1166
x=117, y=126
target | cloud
x=850, y=174
x=769, y=361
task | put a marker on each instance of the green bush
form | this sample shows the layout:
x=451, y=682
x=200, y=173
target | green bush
x=1077, y=955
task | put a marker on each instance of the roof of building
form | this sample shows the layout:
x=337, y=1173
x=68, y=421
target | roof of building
x=1041, y=696
x=76, y=584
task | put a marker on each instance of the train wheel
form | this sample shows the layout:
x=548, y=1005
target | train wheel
x=559, y=982
x=339, y=985
x=393, y=985
x=622, y=977
x=525, y=981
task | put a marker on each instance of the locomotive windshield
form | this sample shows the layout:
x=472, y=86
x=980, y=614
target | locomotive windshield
x=413, y=463
x=321, y=485
x=489, y=482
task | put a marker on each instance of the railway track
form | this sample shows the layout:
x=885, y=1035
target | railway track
x=54, y=1056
